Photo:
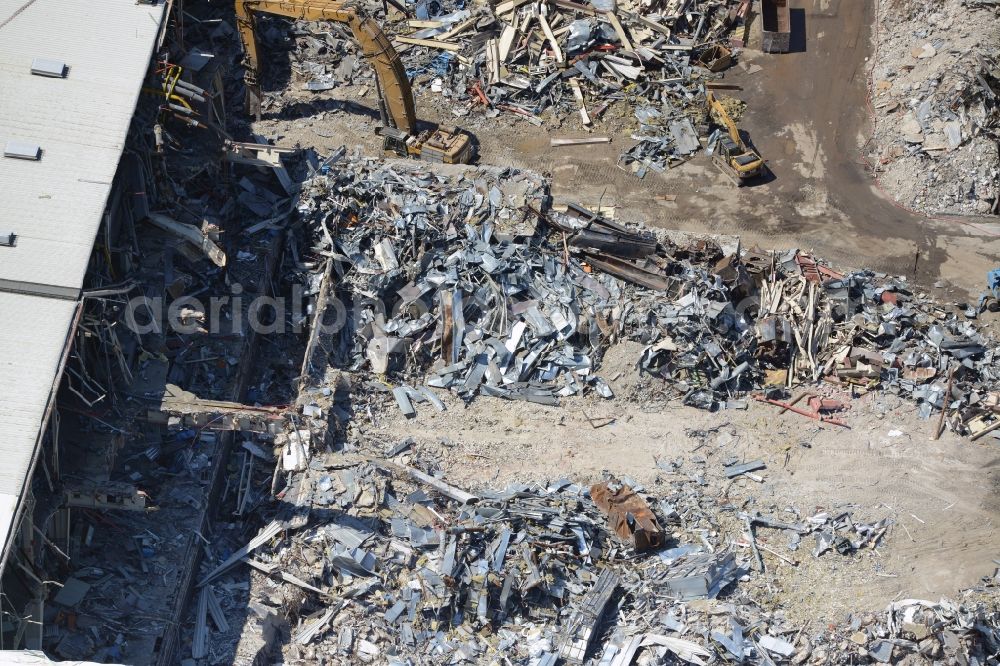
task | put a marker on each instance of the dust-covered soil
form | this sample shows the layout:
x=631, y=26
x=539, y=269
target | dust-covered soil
x=941, y=494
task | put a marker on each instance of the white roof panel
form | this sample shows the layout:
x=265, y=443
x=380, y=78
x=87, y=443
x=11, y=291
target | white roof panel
x=80, y=121
x=55, y=205
x=33, y=332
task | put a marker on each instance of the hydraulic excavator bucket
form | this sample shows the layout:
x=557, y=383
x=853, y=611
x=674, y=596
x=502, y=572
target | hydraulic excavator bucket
x=447, y=145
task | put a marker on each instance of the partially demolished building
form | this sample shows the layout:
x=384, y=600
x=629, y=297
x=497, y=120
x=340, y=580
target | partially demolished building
x=200, y=330
x=65, y=108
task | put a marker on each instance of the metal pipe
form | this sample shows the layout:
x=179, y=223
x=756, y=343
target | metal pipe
x=448, y=491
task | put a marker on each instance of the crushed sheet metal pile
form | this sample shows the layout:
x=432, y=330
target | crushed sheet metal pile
x=381, y=563
x=471, y=283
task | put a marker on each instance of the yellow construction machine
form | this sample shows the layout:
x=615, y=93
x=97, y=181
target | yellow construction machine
x=400, y=137
x=735, y=156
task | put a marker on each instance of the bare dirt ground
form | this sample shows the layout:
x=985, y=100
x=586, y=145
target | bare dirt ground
x=807, y=116
x=943, y=494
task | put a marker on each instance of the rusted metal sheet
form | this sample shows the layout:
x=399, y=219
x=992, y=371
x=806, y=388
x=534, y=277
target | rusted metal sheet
x=811, y=413
x=627, y=270
x=814, y=271
x=628, y=515
x=716, y=58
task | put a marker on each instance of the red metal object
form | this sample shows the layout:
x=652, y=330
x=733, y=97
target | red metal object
x=811, y=413
x=813, y=271
x=478, y=91
x=820, y=404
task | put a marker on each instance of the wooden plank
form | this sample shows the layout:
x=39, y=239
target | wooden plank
x=447, y=46
x=551, y=38
x=417, y=23
x=493, y=60
x=507, y=38
x=575, y=7
x=584, y=141
x=628, y=71
x=652, y=25
x=619, y=30
x=578, y=94
x=508, y=6
x=458, y=29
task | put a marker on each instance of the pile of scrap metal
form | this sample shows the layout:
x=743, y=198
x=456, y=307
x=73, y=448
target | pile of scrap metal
x=778, y=321
x=662, y=142
x=470, y=282
x=545, y=60
x=446, y=282
x=923, y=631
x=366, y=559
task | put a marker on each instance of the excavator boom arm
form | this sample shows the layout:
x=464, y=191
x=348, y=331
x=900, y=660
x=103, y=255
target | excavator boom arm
x=394, y=87
x=719, y=113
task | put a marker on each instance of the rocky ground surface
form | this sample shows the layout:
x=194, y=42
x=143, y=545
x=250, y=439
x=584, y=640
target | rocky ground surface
x=933, y=94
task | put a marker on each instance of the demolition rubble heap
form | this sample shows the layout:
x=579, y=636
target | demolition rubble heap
x=643, y=65
x=537, y=59
x=934, y=92
x=470, y=283
x=367, y=560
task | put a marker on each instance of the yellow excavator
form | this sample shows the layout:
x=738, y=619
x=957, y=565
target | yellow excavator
x=444, y=144
x=742, y=161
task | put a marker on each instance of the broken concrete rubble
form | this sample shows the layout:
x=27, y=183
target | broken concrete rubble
x=934, y=90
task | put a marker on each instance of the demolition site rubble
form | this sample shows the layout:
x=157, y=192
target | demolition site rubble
x=370, y=560
x=934, y=88
x=543, y=60
x=493, y=425
x=473, y=284
x=644, y=66
x=546, y=60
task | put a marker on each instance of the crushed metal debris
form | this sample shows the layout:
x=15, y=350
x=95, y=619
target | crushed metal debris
x=472, y=283
x=372, y=563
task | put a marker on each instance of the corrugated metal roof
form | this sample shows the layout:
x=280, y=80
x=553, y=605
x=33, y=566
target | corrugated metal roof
x=55, y=205
x=80, y=121
x=33, y=333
